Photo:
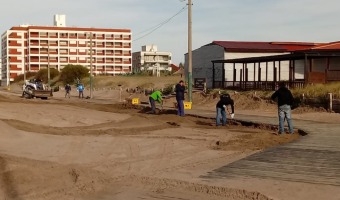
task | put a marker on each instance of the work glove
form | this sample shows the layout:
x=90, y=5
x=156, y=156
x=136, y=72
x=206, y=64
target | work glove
x=232, y=115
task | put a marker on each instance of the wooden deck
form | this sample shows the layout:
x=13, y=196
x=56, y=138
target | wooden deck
x=314, y=158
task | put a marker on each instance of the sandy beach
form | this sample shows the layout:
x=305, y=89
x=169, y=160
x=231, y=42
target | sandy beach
x=99, y=149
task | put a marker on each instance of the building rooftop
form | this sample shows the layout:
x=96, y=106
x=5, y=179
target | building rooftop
x=237, y=46
x=68, y=28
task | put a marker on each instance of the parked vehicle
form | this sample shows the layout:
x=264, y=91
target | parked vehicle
x=34, y=88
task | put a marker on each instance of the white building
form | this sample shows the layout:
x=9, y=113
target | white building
x=60, y=20
x=222, y=50
x=150, y=59
x=31, y=48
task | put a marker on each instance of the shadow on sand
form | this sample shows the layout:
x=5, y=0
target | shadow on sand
x=7, y=182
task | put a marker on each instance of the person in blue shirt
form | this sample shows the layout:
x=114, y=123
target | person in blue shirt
x=80, y=89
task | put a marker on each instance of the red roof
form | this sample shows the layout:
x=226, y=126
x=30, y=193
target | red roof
x=249, y=46
x=328, y=46
x=236, y=46
x=174, y=68
x=294, y=46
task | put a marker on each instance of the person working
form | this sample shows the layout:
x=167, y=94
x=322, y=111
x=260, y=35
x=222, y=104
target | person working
x=180, y=89
x=155, y=96
x=67, y=90
x=285, y=101
x=221, y=105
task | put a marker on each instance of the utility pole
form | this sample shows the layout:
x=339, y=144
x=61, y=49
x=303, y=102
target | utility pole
x=91, y=70
x=190, y=50
x=48, y=65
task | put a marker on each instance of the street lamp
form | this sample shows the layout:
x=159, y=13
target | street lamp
x=48, y=65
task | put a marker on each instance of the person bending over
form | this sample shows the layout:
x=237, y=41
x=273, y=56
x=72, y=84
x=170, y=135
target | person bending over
x=221, y=106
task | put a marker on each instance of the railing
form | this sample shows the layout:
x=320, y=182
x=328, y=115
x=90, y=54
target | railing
x=257, y=85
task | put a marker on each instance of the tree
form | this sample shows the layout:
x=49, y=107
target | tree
x=43, y=74
x=70, y=73
x=181, y=66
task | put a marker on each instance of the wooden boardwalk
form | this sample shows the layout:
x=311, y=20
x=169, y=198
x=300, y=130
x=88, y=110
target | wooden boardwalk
x=314, y=158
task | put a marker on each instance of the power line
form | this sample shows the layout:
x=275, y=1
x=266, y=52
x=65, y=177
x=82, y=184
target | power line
x=153, y=29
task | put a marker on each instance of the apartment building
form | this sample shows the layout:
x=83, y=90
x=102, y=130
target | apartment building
x=31, y=48
x=150, y=59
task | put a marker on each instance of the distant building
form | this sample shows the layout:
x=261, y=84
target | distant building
x=60, y=20
x=150, y=59
x=38, y=47
x=234, y=64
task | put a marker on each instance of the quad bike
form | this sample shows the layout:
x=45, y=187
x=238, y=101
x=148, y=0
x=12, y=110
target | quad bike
x=35, y=89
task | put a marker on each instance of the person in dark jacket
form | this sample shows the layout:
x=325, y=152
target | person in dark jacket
x=180, y=89
x=67, y=90
x=284, y=101
x=221, y=105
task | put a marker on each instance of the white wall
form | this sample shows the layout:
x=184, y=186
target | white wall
x=201, y=62
x=300, y=69
x=238, y=66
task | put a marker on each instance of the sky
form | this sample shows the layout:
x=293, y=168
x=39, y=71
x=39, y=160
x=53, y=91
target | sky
x=229, y=20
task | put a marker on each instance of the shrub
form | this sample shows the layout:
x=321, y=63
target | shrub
x=43, y=74
x=72, y=73
x=29, y=75
x=168, y=89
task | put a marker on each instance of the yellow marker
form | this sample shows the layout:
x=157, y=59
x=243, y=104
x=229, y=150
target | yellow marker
x=135, y=101
x=187, y=105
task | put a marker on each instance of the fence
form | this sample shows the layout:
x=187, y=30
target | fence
x=329, y=103
x=255, y=85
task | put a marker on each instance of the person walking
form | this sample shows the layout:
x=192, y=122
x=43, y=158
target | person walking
x=284, y=101
x=180, y=89
x=67, y=90
x=221, y=106
x=155, y=96
x=81, y=90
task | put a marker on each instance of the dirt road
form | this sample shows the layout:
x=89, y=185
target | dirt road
x=83, y=149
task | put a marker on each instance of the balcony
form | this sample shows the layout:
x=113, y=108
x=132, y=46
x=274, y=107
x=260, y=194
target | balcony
x=14, y=35
x=14, y=44
x=73, y=36
x=14, y=52
x=63, y=35
x=34, y=35
x=34, y=52
x=100, y=37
